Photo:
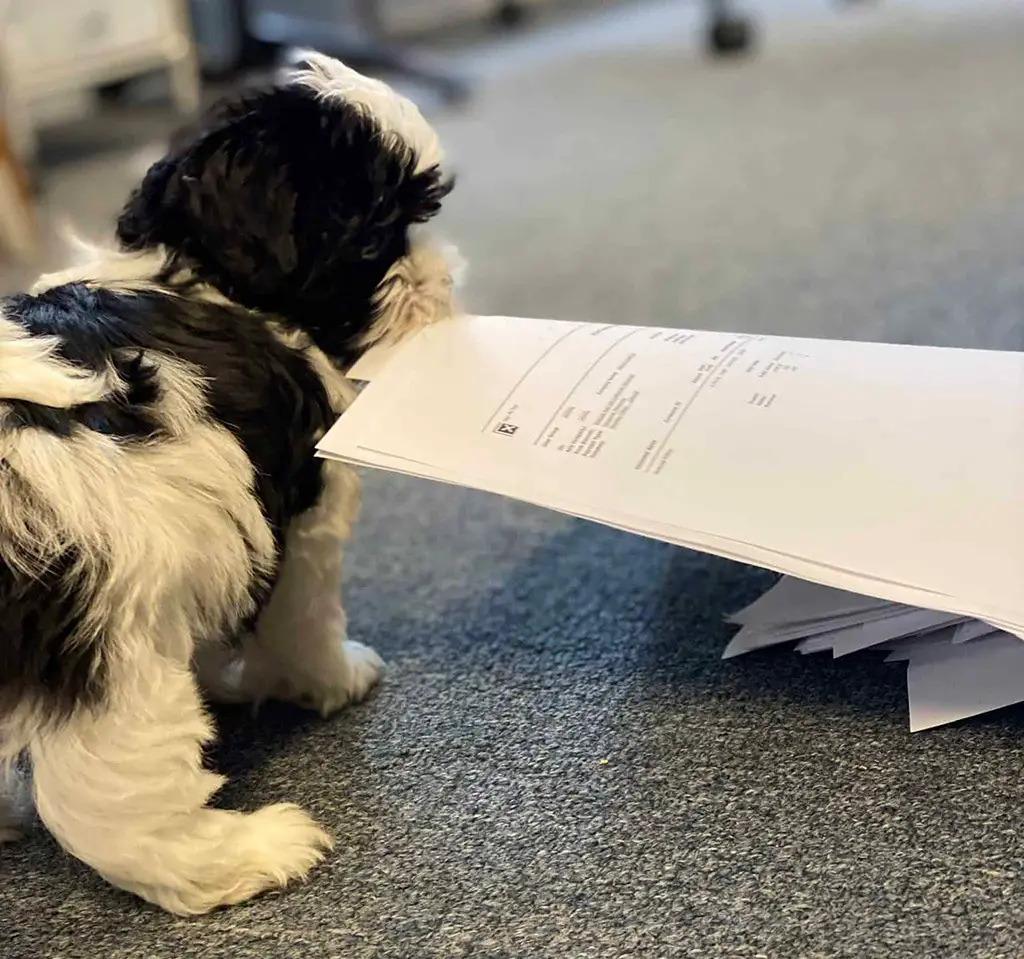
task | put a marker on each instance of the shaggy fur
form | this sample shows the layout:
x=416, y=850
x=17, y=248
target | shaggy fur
x=166, y=533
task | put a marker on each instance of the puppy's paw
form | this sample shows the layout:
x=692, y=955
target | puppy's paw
x=351, y=670
x=355, y=673
x=365, y=667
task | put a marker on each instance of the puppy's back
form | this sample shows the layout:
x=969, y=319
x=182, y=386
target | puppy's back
x=155, y=443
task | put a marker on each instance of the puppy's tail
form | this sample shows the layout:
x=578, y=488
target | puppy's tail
x=31, y=370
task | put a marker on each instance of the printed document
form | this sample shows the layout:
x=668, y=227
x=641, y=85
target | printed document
x=886, y=471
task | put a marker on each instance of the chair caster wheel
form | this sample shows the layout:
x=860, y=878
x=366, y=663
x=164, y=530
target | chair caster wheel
x=510, y=13
x=729, y=36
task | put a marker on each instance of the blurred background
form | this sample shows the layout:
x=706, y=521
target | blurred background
x=821, y=166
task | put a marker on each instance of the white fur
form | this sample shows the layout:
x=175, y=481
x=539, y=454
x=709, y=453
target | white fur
x=96, y=264
x=416, y=291
x=126, y=792
x=30, y=371
x=160, y=521
x=300, y=651
x=395, y=114
x=170, y=536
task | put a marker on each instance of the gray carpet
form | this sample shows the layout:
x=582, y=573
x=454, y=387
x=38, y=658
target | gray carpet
x=557, y=764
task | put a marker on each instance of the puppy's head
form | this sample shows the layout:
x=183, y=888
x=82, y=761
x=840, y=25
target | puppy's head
x=305, y=199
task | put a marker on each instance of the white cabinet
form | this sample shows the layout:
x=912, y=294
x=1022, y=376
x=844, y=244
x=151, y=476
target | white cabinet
x=55, y=48
x=54, y=35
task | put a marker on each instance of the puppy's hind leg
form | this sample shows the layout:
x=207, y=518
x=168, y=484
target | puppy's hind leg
x=123, y=788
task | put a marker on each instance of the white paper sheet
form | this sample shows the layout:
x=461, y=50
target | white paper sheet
x=964, y=680
x=758, y=635
x=796, y=602
x=372, y=363
x=956, y=668
x=973, y=629
x=854, y=465
x=854, y=639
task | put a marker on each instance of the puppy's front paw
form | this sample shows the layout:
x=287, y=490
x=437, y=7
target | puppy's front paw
x=365, y=667
x=355, y=674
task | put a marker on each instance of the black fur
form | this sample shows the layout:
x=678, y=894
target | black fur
x=131, y=416
x=266, y=394
x=45, y=659
x=289, y=204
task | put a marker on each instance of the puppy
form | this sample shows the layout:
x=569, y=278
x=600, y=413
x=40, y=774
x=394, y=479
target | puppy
x=167, y=535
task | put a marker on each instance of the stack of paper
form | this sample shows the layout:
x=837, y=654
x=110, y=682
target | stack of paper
x=890, y=472
x=956, y=667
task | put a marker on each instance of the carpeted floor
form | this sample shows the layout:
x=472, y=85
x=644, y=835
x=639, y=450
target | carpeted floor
x=557, y=764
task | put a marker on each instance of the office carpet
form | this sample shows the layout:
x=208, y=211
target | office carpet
x=557, y=764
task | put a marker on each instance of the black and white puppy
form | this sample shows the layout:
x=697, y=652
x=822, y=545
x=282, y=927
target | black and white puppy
x=166, y=534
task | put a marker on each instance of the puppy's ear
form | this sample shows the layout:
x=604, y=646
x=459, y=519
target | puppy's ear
x=295, y=199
